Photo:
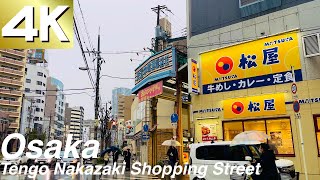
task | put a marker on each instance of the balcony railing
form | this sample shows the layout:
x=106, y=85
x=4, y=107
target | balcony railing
x=11, y=71
x=14, y=52
x=10, y=81
x=14, y=125
x=10, y=92
x=8, y=102
x=6, y=114
x=11, y=61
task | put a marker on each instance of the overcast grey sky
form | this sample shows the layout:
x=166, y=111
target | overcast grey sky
x=126, y=25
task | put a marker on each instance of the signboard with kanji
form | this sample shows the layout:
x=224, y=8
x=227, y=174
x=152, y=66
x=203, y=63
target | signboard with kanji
x=265, y=105
x=263, y=62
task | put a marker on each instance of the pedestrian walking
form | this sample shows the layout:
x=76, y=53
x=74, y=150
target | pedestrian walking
x=127, y=159
x=106, y=158
x=116, y=156
x=268, y=164
x=173, y=155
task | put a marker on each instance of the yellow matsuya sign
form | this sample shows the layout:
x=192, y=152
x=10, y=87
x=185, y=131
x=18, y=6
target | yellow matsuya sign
x=263, y=62
x=265, y=105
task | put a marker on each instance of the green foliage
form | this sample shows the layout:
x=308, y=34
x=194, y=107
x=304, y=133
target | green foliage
x=36, y=135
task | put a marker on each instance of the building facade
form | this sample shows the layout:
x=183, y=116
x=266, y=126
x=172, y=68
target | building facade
x=54, y=109
x=36, y=77
x=115, y=93
x=75, y=118
x=12, y=72
x=88, y=130
x=247, y=60
x=26, y=117
x=124, y=106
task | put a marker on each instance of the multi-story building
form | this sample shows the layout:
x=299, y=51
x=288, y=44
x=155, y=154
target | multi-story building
x=124, y=115
x=74, y=118
x=35, y=83
x=12, y=71
x=88, y=130
x=115, y=93
x=54, y=109
x=124, y=106
x=248, y=54
x=26, y=117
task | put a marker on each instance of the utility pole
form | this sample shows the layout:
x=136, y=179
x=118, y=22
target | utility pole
x=157, y=10
x=97, y=94
x=30, y=114
x=49, y=131
x=96, y=111
x=179, y=112
x=154, y=100
x=97, y=86
x=30, y=111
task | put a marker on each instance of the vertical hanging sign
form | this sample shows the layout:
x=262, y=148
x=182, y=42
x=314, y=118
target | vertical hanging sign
x=194, y=73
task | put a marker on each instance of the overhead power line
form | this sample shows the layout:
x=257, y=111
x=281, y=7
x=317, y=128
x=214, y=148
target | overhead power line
x=63, y=94
x=83, y=54
x=115, y=77
x=126, y=52
x=85, y=25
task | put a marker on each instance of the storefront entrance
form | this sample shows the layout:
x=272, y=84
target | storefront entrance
x=279, y=130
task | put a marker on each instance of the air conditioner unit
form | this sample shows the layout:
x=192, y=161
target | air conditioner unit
x=311, y=45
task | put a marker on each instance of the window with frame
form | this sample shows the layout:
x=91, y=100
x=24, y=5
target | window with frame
x=40, y=74
x=278, y=129
x=211, y=152
x=317, y=129
x=38, y=92
x=28, y=80
x=27, y=90
x=38, y=100
x=39, y=83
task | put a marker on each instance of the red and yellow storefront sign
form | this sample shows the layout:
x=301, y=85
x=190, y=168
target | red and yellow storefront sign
x=265, y=105
x=263, y=62
x=151, y=91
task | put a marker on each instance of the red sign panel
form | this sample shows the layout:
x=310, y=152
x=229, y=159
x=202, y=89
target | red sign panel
x=151, y=91
x=209, y=138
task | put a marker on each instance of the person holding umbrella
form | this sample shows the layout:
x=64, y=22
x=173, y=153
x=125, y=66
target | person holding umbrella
x=116, y=156
x=127, y=159
x=106, y=158
x=172, y=153
x=268, y=164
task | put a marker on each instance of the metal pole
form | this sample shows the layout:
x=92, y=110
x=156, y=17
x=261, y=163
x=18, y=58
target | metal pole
x=300, y=132
x=96, y=106
x=49, y=131
x=179, y=112
x=156, y=46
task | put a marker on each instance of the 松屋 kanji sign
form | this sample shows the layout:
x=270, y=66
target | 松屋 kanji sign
x=254, y=106
x=253, y=64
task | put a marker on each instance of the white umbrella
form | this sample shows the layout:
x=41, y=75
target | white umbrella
x=249, y=137
x=171, y=143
